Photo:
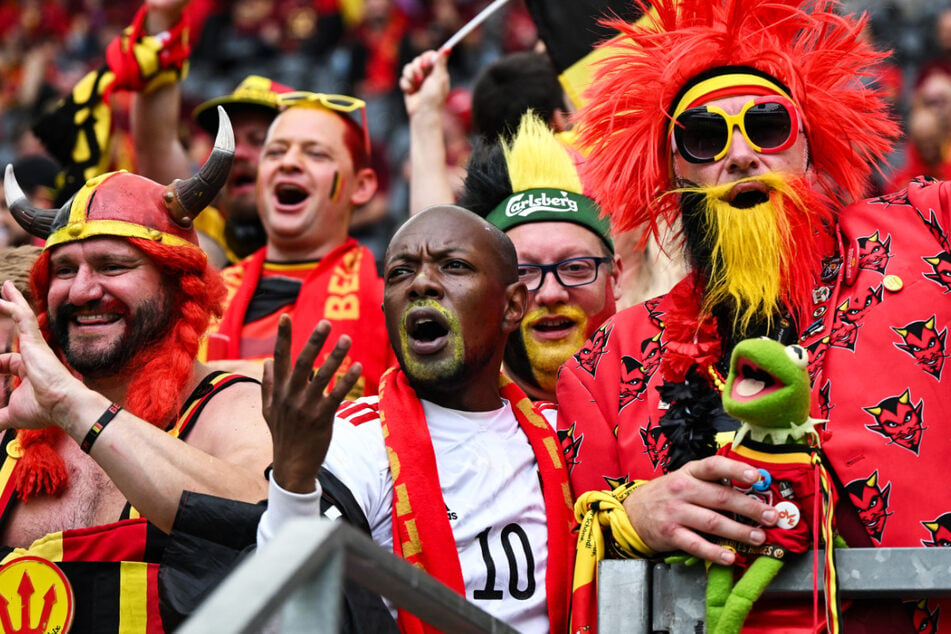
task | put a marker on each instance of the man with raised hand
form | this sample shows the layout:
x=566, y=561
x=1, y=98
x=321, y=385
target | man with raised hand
x=114, y=418
x=435, y=458
x=160, y=155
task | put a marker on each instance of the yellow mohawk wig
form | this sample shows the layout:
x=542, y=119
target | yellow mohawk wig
x=545, y=185
x=536, y=158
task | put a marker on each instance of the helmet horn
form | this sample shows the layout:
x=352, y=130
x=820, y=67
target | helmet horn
x=34, y=220
x=185, y=199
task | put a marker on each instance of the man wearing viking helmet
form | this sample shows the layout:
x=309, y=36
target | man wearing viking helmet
x=749, y=121
x=123, y=294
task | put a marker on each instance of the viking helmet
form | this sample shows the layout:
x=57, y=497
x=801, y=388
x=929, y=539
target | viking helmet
x=127, y=205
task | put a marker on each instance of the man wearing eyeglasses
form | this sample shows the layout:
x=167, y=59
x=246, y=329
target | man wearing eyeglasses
x=746, y=121
x=565, y=253
x=313, y=171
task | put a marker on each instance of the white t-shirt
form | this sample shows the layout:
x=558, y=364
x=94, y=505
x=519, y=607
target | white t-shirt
x=491, y=487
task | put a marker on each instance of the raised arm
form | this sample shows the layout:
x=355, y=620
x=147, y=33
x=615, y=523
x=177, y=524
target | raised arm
x=301, y=417
x=425, y=85
x=150, y=467
x=156, y=113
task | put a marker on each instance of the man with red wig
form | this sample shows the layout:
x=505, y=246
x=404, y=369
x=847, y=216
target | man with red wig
x=749, y=121
x=123, y=295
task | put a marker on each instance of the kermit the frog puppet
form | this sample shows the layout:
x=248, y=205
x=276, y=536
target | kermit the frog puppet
x=768, y=391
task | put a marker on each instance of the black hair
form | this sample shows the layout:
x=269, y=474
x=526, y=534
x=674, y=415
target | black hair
x=34, y=171
x=487, y=181
x=508, y=87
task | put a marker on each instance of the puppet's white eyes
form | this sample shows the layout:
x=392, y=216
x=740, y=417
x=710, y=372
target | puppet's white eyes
x=798, y=355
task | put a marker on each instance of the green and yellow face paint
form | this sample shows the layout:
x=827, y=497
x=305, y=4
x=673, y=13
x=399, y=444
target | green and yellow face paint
x=442, y=363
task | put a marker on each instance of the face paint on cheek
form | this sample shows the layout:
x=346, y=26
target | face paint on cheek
x=444, y=363
x=336, y=187
x=545, y=356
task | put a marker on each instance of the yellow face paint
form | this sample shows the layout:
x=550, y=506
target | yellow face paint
x=443, y=364
x=546, y=356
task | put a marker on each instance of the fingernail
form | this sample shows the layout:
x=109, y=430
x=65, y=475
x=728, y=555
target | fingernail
x=757, y=536
x=726, y=558
x=769, y=516
x=751, y=475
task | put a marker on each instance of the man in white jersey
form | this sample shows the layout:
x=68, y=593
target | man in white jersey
x=484, y=504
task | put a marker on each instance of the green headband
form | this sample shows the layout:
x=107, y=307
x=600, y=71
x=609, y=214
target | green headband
x=551, y=205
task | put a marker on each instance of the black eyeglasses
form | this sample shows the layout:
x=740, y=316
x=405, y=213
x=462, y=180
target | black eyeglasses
x=569, y=273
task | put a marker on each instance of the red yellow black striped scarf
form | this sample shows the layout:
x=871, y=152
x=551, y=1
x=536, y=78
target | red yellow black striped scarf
x=421, y=531
x=343, y=288
x=114, y=574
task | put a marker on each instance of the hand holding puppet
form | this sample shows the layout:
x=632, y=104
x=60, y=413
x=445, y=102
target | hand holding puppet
x=768, y=390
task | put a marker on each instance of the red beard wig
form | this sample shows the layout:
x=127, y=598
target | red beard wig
x=159, y=372
x=818, y=55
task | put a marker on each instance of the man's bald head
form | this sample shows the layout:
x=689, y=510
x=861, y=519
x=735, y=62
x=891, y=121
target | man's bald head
x=465, y=225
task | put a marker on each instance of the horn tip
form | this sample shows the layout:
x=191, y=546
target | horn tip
x=11, y=188
x=225, y=137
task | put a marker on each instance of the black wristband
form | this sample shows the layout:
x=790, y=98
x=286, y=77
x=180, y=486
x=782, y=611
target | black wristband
x=93, y=434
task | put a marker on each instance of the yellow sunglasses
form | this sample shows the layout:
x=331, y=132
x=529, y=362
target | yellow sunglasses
x=769, y=124
x=338, y=103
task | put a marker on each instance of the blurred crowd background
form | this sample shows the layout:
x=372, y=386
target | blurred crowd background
x=358, y=47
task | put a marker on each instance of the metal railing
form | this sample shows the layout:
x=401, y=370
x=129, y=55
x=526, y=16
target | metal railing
x=300, y=576
x=640, y=596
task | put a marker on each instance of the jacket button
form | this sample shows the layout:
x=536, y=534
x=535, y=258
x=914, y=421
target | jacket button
x=893, y=283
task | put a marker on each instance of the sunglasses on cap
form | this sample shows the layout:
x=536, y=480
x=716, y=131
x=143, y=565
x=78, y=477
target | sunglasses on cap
x=769, y=124
x=338, y=103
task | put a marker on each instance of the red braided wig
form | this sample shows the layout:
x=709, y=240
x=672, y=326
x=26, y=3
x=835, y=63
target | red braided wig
x=819, y=55
x=159, y=373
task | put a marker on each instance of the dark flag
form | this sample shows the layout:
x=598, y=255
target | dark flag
x=570, y=30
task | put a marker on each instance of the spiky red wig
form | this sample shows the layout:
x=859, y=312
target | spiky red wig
x=819, y=55
x=160, y=373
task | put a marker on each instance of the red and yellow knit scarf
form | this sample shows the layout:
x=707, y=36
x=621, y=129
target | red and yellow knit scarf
x=421, y=531
x=338, y=289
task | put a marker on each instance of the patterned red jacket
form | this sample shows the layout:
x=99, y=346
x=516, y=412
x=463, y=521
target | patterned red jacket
x=878, y=355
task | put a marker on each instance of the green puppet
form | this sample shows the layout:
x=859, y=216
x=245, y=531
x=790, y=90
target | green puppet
x=768, y=390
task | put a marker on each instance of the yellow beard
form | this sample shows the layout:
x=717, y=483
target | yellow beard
x=749, y=259
x=546, y=357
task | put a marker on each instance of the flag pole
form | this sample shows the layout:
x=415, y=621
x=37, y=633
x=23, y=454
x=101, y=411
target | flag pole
x=471, y=25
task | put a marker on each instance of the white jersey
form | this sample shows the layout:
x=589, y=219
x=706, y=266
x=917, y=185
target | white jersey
x=491, y=487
